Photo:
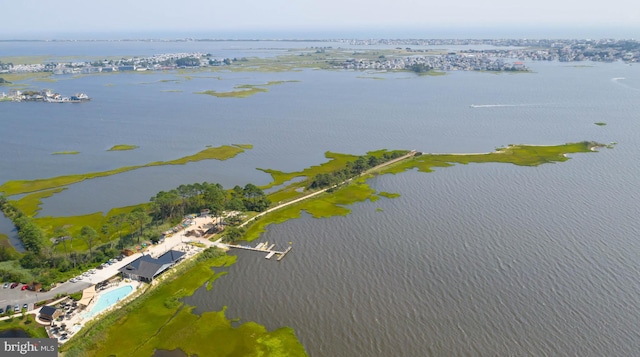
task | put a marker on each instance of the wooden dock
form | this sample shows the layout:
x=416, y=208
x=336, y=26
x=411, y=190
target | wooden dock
x=261, y=247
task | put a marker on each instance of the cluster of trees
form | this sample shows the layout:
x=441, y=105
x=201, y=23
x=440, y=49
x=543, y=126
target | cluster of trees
x=188, y=62
x=352, y=169
x=30, y=233
x=49, y=262
x=196, y=197
x=420, y=67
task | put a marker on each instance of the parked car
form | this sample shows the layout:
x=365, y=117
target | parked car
x=24, y=287
x=25, y=306
x=1, y=311
x=93, y=271
x=79, y=277
x=16, y=308
x=8, y=308
x=6, y=285
x=14, y=285
x=73, y=280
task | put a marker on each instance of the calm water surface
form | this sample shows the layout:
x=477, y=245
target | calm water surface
x=480, y=259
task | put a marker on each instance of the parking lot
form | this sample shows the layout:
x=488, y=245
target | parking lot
x=15, y=296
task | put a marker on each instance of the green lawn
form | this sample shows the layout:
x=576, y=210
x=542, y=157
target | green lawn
x=26, y=323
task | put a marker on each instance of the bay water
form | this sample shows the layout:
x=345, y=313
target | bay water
x=478, y=259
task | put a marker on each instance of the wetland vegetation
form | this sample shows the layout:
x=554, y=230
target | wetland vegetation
x=17, y=187
x=123, y=147
x=245, y=90
x=159, y=319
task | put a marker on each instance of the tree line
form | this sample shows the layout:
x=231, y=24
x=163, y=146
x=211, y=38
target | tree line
x=352, y=169
x=50, y=262
x=169, y=205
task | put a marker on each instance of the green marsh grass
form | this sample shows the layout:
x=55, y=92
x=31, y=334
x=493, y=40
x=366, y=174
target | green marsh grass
x=30, y=204
x=123, y=147
x=149, y=323
x=17, y=187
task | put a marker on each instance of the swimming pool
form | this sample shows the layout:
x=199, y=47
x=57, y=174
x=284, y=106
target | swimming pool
x=109, y=299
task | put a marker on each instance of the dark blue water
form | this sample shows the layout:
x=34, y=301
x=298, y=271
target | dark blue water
x=480, y=259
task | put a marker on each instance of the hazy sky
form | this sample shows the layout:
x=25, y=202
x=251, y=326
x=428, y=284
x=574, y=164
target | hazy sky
x=23, y=18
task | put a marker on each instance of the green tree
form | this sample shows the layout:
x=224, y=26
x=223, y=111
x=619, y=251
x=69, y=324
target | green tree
x=141, y=219
x=89, y=235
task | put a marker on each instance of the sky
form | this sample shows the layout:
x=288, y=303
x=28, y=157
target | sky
x=30, y=19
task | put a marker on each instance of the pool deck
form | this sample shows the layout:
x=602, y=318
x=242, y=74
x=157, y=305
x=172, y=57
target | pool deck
x=77, y=321
x=179, y=241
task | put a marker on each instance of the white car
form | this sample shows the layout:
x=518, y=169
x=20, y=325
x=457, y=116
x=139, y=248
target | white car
x=73, y=280
x=86, y=273
x=93, y=271
x=79, y=277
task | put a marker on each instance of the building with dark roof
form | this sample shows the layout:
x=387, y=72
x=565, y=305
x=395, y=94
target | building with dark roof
x=49, y=313
x=146, y=268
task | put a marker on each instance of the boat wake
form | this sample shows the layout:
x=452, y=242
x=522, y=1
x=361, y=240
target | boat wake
x=622, y=81
x=499, y=105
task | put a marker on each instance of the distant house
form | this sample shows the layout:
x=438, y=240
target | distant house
x=147, y=268
x=49, y=313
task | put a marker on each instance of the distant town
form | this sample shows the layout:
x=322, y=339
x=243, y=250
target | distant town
x=45, y=95
x=508, y=55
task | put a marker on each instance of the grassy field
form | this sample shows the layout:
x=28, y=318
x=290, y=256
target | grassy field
x=160, y=320
x=21, y=77
x=123, y=147
x=27, y=323
x=75, y=223
x=17, y=187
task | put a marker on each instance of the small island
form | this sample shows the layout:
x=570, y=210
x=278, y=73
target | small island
x=600, y=123
x=123, y=147
x=65, y=153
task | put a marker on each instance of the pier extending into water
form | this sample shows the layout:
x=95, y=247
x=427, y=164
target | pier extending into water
x=261, y=247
